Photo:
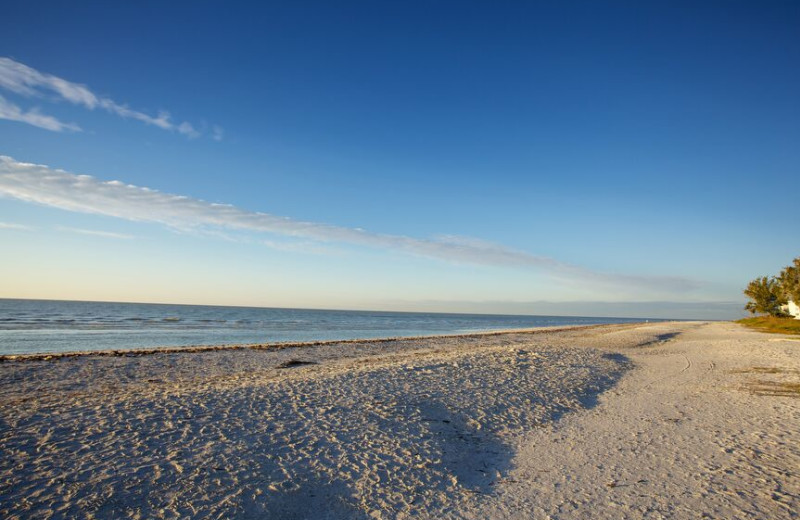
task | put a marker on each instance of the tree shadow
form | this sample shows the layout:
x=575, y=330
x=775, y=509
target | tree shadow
x=659, y=338
x=591, y=398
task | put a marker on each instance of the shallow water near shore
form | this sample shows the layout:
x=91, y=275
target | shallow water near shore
x=50, y=326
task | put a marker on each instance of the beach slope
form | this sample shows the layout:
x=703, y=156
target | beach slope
x=674, y=420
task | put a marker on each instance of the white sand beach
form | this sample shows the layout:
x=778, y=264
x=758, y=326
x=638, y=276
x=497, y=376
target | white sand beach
x=666, y=420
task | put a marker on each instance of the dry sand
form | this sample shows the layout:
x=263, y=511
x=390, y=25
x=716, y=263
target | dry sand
x=675, y=420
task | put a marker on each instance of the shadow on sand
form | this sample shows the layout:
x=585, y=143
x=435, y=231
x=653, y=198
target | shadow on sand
x=305, y=450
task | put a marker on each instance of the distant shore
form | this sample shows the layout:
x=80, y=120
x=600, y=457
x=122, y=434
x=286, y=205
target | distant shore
x=637, y=420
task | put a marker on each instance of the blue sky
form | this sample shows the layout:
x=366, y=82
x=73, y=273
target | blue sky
x=527, y=158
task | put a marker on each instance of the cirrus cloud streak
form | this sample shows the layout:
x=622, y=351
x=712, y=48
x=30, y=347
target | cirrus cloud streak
x=85, y=194
x=12, y=112
x=26, y=81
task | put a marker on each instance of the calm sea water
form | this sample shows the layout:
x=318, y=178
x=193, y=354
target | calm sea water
x=36, y=326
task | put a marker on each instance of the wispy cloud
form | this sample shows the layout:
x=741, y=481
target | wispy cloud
x=26, y=81
x=11, y=225
x=12, y=112
x=82, y=193
x=96, y=233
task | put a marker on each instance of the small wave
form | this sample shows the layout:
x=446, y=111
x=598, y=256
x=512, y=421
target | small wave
x=172, y=319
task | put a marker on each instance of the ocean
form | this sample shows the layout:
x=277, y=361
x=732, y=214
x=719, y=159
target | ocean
x=48, y=326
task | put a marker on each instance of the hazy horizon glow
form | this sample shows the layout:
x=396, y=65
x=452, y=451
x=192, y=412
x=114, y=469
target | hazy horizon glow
x=645, y=309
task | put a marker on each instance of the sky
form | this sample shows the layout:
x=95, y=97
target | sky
x=577, y=158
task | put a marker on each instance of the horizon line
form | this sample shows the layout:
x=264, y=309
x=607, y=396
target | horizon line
x=334, y=309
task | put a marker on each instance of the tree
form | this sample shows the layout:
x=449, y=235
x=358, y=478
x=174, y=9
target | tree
x=790, y=281
x=766, y=296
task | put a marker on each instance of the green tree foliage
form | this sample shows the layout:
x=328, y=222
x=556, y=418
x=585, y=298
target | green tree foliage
x=790, y=281
x=766, y=296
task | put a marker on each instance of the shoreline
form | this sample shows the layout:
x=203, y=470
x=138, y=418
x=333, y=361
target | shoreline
x=147, y=351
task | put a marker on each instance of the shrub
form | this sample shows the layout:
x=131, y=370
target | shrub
x=766, y=296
